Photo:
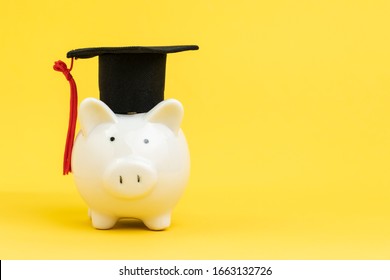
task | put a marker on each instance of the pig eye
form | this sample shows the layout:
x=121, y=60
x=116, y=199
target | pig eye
x=112, y=139
x=146, y=141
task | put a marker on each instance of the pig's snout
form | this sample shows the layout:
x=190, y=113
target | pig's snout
x=130, y=178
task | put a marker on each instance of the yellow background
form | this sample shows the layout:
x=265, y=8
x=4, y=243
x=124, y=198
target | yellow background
x=287, y=119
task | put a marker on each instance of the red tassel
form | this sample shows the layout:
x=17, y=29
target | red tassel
x=61, y=67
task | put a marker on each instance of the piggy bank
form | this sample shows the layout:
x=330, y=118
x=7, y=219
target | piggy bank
x=130, y=166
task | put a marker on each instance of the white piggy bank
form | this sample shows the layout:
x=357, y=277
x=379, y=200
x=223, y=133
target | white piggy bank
x=130, y=166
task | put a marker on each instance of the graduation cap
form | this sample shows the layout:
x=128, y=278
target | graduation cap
x=131, y=80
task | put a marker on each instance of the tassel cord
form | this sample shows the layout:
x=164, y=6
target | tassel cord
x=60, y=66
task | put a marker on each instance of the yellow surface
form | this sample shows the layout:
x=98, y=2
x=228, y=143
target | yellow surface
x=287, y=118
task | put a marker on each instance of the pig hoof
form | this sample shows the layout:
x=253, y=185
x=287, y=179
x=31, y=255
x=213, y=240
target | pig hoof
x=159, y=223
x=100, y=221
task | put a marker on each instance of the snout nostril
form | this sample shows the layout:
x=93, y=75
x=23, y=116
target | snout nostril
x=121, y=179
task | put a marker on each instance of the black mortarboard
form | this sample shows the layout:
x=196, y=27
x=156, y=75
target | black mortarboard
x=131, y=79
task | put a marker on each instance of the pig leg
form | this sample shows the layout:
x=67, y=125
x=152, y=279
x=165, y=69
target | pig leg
x=159, y=222
x=101, y=221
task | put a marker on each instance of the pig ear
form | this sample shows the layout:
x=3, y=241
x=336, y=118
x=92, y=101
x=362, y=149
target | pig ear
x=94, y=112
x=169, y=112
